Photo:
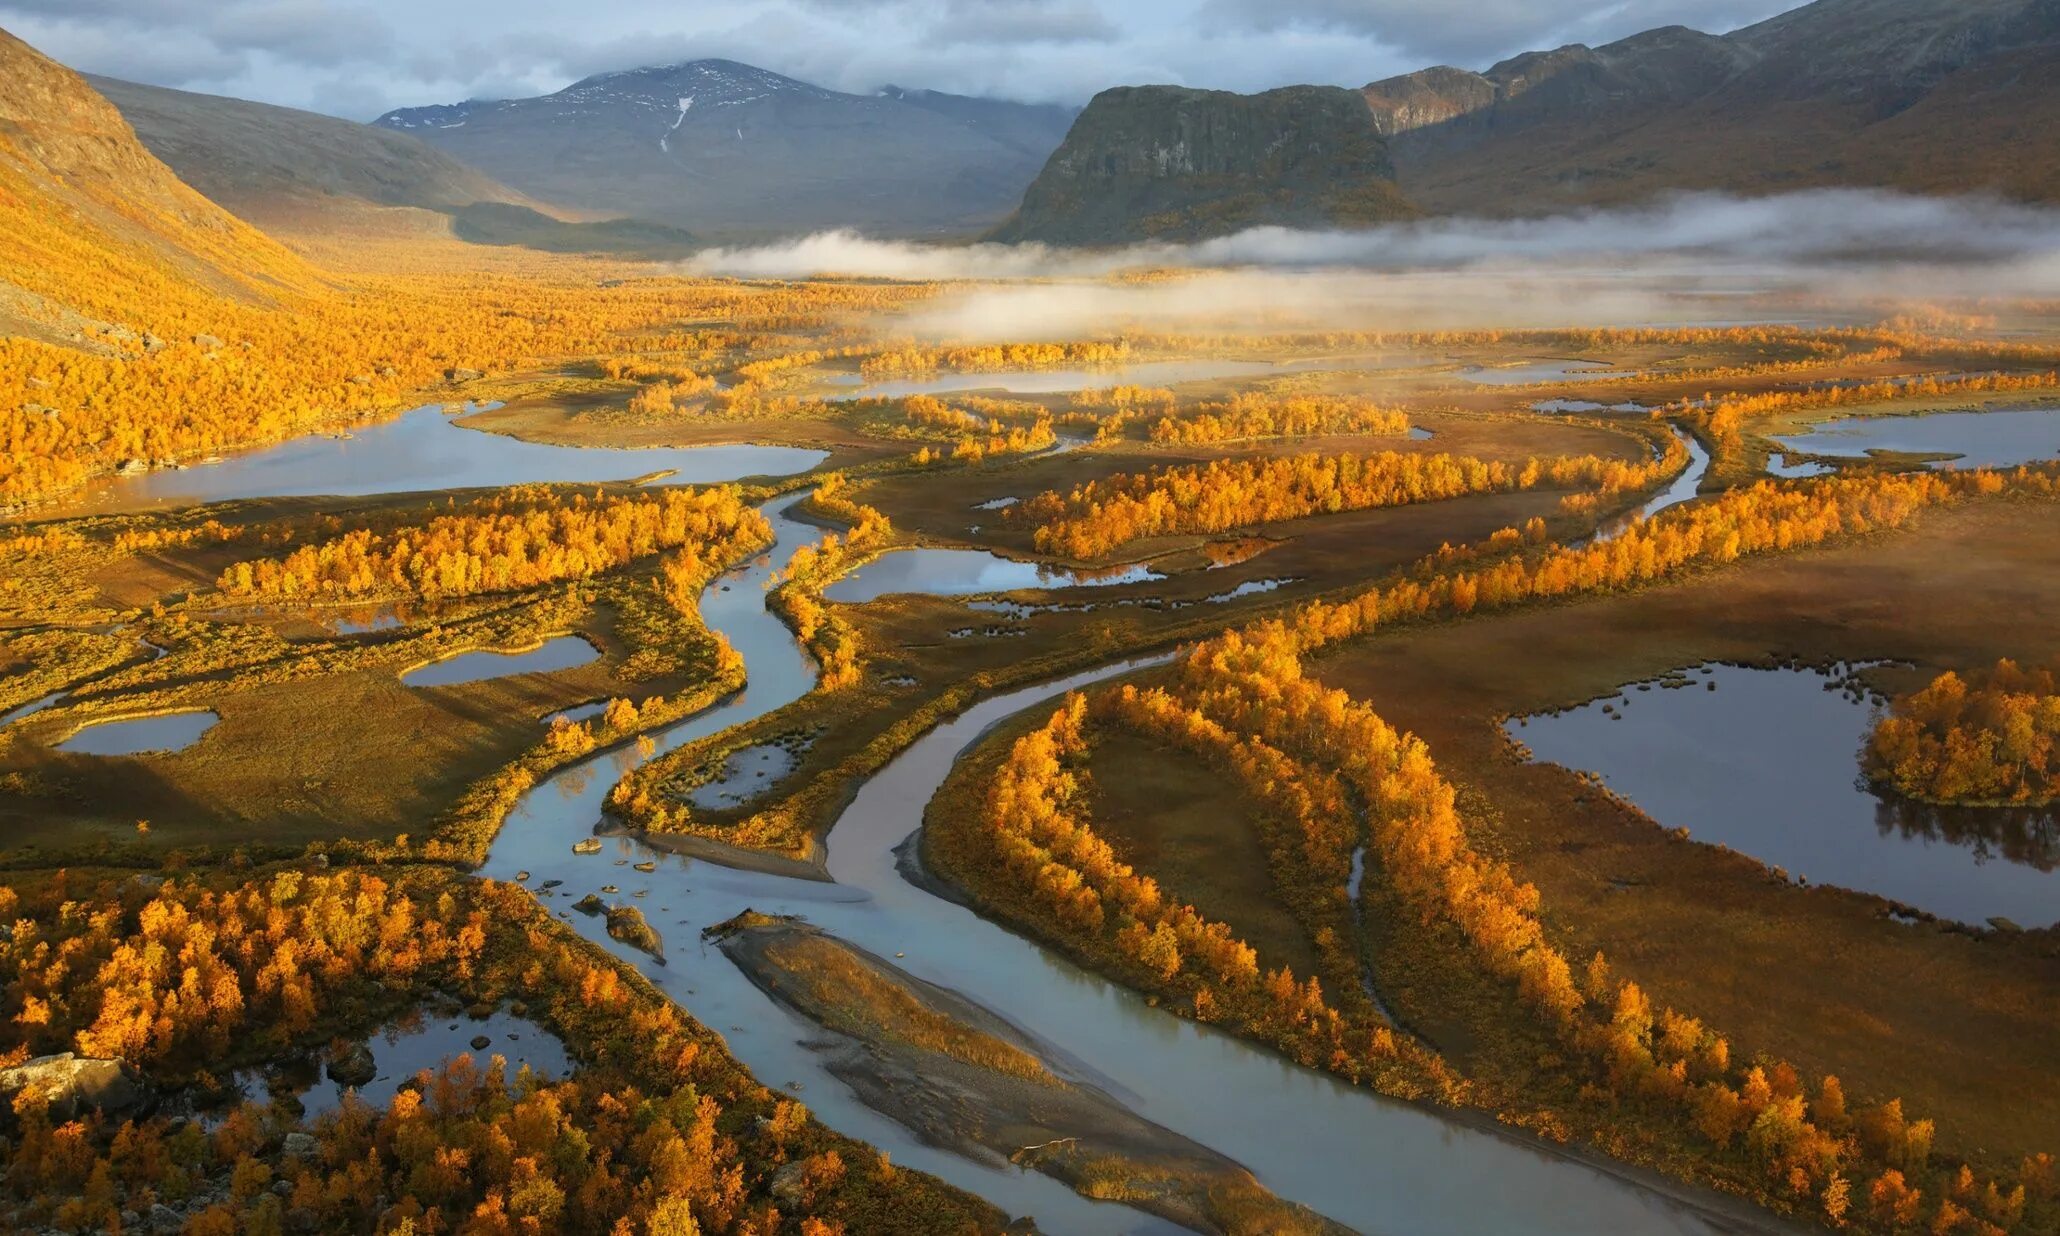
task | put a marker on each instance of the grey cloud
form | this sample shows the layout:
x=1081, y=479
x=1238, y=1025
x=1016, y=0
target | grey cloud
x=360, y=57
x=307, y=31
x=1019, y=21
x=1477, y=33
x=173, y=59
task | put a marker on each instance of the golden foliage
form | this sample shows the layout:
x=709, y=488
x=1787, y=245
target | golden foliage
x=1990, y=740
x=1101, y=516
x=511, y=543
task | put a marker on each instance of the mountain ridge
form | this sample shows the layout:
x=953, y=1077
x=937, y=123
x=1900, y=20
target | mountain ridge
x=738, y=152
x=1875, y=93
x=254, y=157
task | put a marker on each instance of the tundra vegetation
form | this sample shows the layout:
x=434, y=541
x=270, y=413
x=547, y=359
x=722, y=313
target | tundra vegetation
x=1355, y=608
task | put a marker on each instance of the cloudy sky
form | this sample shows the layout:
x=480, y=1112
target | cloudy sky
x=358, y=58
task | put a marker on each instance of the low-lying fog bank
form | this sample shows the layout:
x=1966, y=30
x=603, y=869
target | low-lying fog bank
x=1822, y=257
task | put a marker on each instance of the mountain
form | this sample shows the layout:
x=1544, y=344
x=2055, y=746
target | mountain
x=1921, y=95
x=296, y=173
x=99, y=240
x=1169, y=163
x=259, y=160
x=737, y=152
x=1034, y=129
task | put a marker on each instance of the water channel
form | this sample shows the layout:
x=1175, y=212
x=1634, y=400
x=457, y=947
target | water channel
x=1376, y=1165
x=964, y=572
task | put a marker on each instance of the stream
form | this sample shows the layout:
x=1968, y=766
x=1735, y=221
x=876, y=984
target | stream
x=1374, y=1164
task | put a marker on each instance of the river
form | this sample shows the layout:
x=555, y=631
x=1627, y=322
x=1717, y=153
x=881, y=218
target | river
x=1374, y=1164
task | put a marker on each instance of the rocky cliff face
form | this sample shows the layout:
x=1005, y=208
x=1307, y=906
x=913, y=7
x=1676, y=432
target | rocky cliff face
x=1163, y=162
x=1911, y=94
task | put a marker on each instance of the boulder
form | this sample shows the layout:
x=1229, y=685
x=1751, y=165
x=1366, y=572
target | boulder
x=353, y=1067
x=299, y=1146
x=76, y=1084
x=790, y=1185
x=462, y=375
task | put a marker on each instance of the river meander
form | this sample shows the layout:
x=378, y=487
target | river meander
x=1374, y=1164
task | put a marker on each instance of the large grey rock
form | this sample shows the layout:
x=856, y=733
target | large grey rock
x=76, y=1084
x=353, y=1066
x=789, y=1184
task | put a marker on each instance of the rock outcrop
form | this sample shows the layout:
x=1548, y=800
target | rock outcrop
x=1169, y=163
x=76, y=1084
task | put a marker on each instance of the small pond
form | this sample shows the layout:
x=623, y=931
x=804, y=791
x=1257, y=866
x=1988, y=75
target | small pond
x=172, y=731
x=1534, y=371
x=959, y=572
x=2003, y=438
x=561, y=653
x=1767, y=763
x=364, y=621
x=1573, y=406
x=423, y=1039
x=1250, y=588
x=428, y=450
x=746, y=774
x=577, y=713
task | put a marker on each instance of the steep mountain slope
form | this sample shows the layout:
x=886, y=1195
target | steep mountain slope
x=1913, y=94
x=1165, y=162
x=263, y=161
x=733, y=151
x=99, y=241
x=302, y=175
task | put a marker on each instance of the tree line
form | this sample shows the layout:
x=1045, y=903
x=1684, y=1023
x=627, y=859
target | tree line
x=1989, y=738
x=1332, y=776
x=1101, y=516
x=512, y=542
